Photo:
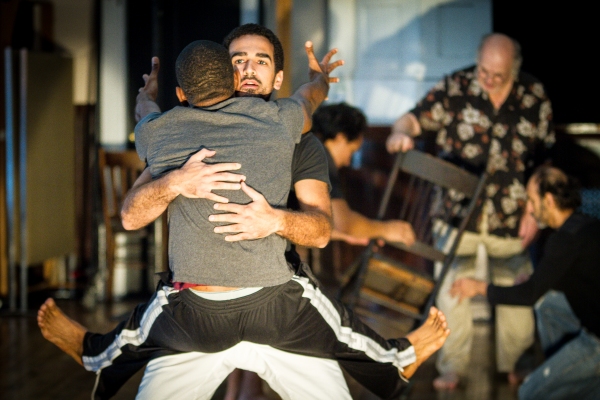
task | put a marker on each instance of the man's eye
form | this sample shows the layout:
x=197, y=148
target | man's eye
x=238, y=61
x=262, y=62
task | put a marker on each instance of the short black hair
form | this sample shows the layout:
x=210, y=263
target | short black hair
x=329, y=120
x=204, y=71
x=259, y=30
x=564, y=188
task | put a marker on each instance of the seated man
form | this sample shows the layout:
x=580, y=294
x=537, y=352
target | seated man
x=564, y=290
x=169, y=302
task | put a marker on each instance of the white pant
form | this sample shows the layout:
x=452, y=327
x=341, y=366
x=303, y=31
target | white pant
x=504, y=259
x=198, y=375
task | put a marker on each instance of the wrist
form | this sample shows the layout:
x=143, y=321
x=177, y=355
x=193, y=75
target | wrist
x=400, y=132
x=143, y=96
x=279, y=219
x=173, y=183
x=483, y=288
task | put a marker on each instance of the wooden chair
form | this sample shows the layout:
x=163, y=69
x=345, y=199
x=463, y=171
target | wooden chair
x=438, y=199
x=118, y=172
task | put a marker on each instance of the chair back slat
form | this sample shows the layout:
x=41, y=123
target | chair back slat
x=118, y=172
x=438, y=199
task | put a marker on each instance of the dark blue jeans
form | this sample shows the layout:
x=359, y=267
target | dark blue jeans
x=572, y=371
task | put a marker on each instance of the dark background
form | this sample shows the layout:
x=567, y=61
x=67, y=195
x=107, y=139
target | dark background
x=559, y=44
x=163, y=28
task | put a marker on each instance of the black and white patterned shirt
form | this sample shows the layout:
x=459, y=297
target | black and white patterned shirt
x=507, y=143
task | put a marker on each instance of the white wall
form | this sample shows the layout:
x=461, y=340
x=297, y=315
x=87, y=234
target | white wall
x=113, y=74
x=396, y=50
x=73, y=31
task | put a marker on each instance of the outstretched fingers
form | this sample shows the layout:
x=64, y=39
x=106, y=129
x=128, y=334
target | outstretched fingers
x=325, y=66
x=151, y=80
x=313, y=63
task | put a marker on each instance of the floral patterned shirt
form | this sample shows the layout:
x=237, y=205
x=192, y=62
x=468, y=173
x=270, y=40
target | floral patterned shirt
x=507, y=143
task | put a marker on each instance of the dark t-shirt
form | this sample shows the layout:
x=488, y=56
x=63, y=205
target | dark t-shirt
x=334, y=176
x=309, y=162
x=571, y=264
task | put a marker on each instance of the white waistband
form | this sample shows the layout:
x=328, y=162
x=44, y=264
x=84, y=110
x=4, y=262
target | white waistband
x=228, y=295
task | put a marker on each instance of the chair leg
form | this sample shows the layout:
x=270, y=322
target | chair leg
x=110, y=268
x=350, y=292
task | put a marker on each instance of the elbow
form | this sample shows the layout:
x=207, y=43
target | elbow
x=323, y=241
x=128, y=223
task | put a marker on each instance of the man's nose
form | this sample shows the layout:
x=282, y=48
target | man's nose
x=249, y=68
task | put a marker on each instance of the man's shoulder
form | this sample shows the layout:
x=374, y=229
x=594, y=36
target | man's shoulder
x=530, y=84
x=172, y=113
x=582, y=224
x=309, y=147
x=287, y=102
x=466, y=72
x=310, y=141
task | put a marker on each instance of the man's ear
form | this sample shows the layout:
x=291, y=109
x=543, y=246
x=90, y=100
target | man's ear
x=278, y=80
x=180, y=95
x=549, y=201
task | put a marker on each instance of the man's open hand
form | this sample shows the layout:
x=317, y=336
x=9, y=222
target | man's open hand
x=254, y=220
x=196, y=179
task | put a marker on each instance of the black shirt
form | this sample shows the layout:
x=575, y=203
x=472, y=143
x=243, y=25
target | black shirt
x=309, y=162
x=571, y=264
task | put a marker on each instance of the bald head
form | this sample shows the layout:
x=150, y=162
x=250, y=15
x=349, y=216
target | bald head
x=498, y=64
x=501, y=47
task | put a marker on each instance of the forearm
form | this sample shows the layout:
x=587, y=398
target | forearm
x=352, y=223
x=305, y=228
x=144, y=105
x=146, y=202
x=310, y=96
x=314, y=92
x=408, y=125
x=359, y=225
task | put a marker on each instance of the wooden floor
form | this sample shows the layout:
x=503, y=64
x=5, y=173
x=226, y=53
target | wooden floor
x=32, y=368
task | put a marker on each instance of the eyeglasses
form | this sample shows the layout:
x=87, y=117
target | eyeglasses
x=484, y=74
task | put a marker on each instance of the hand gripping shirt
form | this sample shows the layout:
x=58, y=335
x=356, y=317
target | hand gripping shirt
x=507, y=143
x=259, y=135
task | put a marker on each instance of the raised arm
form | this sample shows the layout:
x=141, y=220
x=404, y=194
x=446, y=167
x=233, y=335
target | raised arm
x=145, y=102
x=314, y=92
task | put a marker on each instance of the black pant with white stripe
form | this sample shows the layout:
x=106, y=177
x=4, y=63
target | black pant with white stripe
x=295, y=317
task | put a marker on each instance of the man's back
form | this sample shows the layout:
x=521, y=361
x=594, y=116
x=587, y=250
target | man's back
x=261, y=137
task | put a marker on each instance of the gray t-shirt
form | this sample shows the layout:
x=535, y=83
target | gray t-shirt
x=258, y=134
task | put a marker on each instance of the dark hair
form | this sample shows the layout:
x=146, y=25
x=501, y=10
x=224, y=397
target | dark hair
x=204, y=71
x=329, y=120
x=564, y=188
x=259, y=30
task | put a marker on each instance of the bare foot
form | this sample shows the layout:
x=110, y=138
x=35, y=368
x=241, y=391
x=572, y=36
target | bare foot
x=448, y=381
x=61, y=330
x=427, y=339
